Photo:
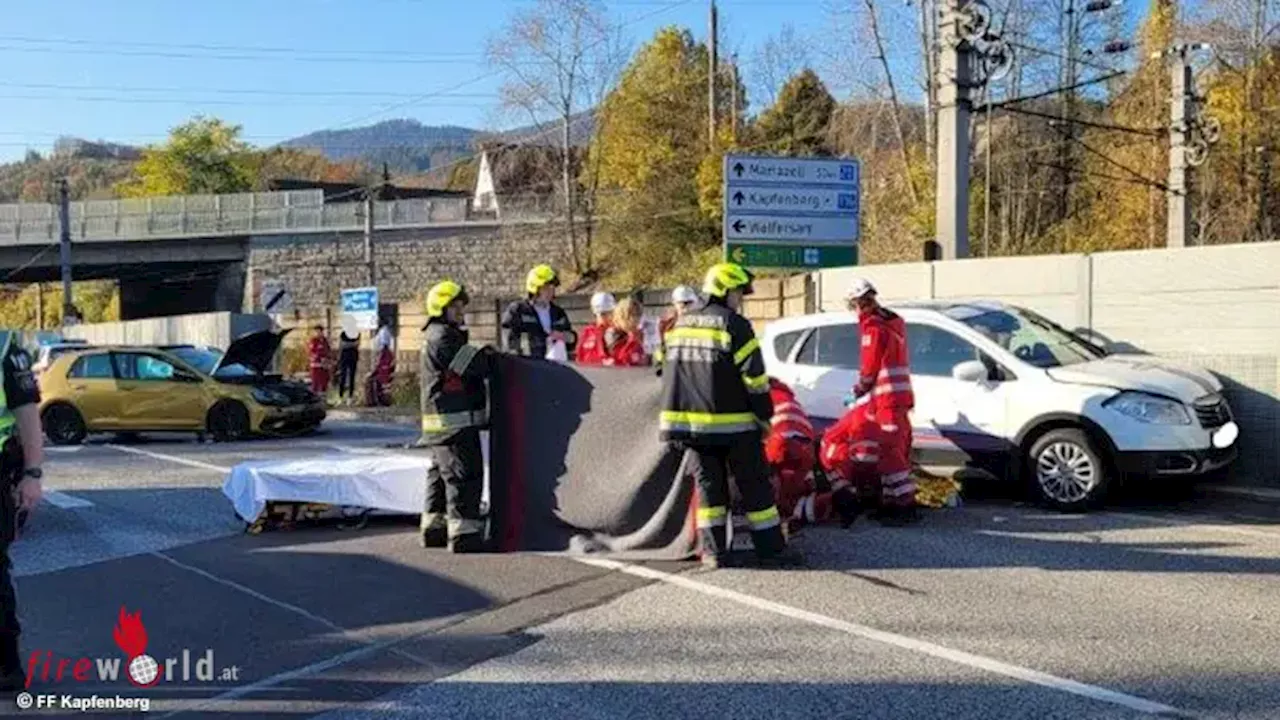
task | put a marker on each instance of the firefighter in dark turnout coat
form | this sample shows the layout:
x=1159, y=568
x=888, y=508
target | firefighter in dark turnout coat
x=716, y=408
x=454, y=410
x=22, y=442
x=530, y=325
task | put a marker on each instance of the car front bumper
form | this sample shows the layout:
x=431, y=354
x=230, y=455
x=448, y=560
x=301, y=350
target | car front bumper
x=1161, y=463
x=292, y=418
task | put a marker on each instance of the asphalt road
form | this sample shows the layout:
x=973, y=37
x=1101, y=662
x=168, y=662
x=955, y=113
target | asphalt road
x=993, y=610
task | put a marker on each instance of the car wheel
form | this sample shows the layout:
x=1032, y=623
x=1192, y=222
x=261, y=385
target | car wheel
x=63, y=425
x=1067, y=471
x=228, y=421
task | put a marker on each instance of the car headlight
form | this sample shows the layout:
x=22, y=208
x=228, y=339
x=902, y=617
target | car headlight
x=270, y=397
x=1149, y=408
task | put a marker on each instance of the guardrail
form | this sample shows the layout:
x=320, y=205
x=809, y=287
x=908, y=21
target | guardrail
x=193, y=216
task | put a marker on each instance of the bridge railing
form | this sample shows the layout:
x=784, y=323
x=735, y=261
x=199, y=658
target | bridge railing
x=212, y=215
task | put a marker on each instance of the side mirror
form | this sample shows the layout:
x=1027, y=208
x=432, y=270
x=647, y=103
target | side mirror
x=972, y=371
x=184, y=376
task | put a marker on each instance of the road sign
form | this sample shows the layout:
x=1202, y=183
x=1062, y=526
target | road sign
x=275, y=297
x=769, y=198
x=774, y=255
x=791, y=212
x=807, y=230
x=791, y=171
x=362, y=305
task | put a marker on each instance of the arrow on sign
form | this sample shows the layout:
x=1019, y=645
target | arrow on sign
x=738, y=254
x=738, y=169
x=737, y=226
x=738, y=197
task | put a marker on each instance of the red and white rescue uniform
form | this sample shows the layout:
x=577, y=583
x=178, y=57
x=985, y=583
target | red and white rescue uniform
x=885, y=378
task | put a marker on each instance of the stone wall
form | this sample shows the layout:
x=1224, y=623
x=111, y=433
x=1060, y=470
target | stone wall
x=490, y=260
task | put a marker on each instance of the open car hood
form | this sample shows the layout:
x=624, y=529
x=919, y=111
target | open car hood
x=254, y=350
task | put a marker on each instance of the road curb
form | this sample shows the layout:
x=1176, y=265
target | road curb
x=382, y=419
x=1257, y=494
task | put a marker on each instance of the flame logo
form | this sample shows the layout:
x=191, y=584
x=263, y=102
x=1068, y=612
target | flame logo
x=131, y=637
x=130, y=634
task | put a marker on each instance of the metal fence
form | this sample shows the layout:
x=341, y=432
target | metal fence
x=297, y=211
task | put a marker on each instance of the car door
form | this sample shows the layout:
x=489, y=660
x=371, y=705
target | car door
x=825, y=369
x=956, y=421
x=155, y=394
x=91, y=380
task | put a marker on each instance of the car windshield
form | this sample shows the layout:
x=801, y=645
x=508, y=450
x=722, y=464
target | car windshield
x=1031, y=338
x=206, y=359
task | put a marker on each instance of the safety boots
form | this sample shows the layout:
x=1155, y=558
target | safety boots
x=433, y=537
x=469, y=543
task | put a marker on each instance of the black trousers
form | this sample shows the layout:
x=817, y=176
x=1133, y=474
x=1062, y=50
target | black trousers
x=10, y=628
x=712, y=466
x=347, y=362
x=455, y=484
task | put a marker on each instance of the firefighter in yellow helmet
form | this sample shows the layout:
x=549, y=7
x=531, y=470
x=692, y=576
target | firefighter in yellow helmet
x=454, y=409
x=716, y=409
x=530, y=325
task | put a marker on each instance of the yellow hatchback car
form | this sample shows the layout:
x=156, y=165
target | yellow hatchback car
x=180, y=388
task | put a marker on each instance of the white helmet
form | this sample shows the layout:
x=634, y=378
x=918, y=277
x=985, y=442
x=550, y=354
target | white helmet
x=860, y=288
x=684, y=294
x=603, y=302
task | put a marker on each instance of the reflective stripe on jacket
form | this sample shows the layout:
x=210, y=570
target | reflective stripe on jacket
x=715, y=387
x=885, y=370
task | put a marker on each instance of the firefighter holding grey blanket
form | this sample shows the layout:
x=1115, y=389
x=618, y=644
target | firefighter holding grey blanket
x=454, y=410
x=716, y=408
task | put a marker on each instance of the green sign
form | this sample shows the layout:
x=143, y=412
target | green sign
x=772, y=255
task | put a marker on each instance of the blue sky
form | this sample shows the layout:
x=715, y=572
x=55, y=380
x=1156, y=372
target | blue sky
x=128, y=70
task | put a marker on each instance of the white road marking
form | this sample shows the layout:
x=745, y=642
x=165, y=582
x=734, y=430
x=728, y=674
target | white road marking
x=171, y=458
x=288, y=607
x=65, y=501
x=959, y=657
x=61, y=449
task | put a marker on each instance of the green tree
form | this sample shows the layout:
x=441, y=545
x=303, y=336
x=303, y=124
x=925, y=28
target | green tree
x=202, y=156
x=797, y=123
x=646, y=157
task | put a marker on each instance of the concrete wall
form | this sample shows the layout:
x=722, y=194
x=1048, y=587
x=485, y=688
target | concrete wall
x=213, y=329
x=491, y=260
x=1217, y=307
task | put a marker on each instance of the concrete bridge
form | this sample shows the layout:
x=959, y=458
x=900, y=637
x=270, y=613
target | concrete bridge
x=185, y=254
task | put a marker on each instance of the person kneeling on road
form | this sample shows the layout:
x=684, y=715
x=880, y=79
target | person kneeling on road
x=715, y=405
x=791, y=450
x=454, y=410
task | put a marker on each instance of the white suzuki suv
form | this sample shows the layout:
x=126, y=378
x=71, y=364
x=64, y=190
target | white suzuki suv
x=1002, y=388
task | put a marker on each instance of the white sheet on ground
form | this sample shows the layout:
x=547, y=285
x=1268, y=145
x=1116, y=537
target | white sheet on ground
x=386, y=481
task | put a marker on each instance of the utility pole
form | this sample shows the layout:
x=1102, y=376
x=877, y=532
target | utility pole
x=955, y=61
x=713, y=72
x=368, y=237
x=64, y=243
x=1179, y=210
x=39, y=306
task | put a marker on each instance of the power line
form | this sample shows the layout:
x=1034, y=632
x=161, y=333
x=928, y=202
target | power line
x=206, y=101
x=1086, y=123
x=233, y=91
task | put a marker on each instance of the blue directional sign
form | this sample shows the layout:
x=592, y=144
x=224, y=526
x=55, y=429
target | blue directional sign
x=809, y=207
x=362, y=305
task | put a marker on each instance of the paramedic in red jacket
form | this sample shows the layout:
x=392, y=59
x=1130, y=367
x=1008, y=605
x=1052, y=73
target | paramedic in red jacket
x=885, y=376
x=320, y=357
x=791, y=450
x=591, y=347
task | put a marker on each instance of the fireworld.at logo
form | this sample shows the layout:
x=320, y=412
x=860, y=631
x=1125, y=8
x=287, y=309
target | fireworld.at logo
x=141, y=669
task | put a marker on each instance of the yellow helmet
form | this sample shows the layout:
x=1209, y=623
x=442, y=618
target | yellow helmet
x=723, y=277
x=539, y=277
x=441, y=295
